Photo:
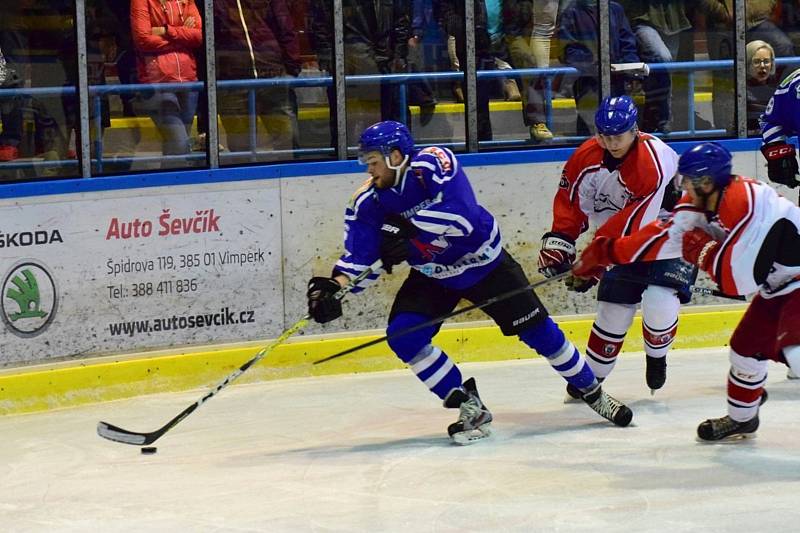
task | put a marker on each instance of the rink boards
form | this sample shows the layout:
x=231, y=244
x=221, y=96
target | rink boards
x=111, y=378
x=225, y=256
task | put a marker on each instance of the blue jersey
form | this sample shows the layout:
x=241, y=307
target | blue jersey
x=457, y=241
x=782, y=116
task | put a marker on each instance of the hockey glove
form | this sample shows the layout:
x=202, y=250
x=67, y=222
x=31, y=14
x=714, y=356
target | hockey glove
x=590, y=267
x=781, y=164
x=395, y=235
x=322, y=306
x=595, y=258
x=700, y=248
x=576, y=284
x=557, y=254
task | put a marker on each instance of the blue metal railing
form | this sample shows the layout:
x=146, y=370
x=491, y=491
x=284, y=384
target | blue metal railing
x=97, y=92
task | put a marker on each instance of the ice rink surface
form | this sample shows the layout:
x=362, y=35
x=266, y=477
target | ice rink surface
x=370, y=453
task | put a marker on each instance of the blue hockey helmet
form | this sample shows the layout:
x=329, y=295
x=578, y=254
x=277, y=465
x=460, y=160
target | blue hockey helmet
x=616, y=115
x=384, y=137
x=706, y=160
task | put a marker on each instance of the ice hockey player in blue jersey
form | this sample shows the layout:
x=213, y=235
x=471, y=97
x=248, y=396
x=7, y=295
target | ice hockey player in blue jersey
x=780, y=121
x=419, y=207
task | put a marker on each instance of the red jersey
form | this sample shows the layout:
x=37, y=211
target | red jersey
x=616, y=197
x=758, y=229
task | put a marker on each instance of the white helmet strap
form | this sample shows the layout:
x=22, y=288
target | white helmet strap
x=398, y=168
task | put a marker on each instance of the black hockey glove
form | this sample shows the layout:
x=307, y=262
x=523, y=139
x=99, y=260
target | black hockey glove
x=395, y=234
x=322, y=306
x=576, y=284
x=557, y=254
x=781, y=163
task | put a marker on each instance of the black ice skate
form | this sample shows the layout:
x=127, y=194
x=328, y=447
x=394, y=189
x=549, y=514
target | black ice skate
x=574, y=394
x=474, y=419
x=726, y=429
x=608, y=407
x=656, y=372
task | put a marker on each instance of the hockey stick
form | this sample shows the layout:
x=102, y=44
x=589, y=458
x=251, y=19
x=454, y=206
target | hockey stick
x=705, y=291
x=117, y=434
x=714, y=292
x=437, y=320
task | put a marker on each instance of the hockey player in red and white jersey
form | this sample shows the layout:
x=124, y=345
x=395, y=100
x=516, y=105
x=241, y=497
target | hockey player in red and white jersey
x=617, y=182
x=747, y=238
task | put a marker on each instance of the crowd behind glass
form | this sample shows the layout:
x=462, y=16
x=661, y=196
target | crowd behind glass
x=148, y=106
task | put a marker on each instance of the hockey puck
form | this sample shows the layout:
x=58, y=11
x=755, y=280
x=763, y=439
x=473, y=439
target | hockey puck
x=149, y=450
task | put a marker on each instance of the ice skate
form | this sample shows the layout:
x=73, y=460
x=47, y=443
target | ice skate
x=608, y=407
x=727, y=429
x=474, y=419
x=574, y=394
x=655, y=373
x=790, y=374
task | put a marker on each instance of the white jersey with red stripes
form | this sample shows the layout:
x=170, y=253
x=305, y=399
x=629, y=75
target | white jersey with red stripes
x=758, y=229
x=616, y=197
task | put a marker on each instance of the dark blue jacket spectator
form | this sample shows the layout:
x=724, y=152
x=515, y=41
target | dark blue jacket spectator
x=579, y=35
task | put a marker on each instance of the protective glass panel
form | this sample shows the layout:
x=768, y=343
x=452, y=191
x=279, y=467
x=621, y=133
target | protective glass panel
x=271, y=95
x=146, y=101
x=38, y=88
x=773, y=42
x=690, y=90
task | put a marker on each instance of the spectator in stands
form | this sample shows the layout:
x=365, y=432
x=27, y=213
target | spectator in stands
x=51, y=61
x=761, y=82
x=658, y=25
x=451, y=14
x=10, y=108
x=502, y=57
x=787, y=17
x=578, y=38
x=376, y=35
x=529, y=28
x=166, y=34
x=256, y=41
x=420, y=92
x=115, y=21
x=721, y=43
x=760, y=27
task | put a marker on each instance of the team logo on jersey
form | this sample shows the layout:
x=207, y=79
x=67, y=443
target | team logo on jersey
x=29, y=299
x=441, y=158
x=429, y=249
x=563, y=182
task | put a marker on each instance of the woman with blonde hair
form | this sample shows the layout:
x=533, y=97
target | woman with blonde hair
x=761, y=81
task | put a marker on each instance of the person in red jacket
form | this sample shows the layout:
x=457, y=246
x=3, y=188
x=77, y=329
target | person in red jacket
x=165, y=35
x=747, y=238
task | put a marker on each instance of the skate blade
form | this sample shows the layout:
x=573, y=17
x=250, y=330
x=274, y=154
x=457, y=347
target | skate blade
x=465, y=438
x=653, y=392
x=731, y=439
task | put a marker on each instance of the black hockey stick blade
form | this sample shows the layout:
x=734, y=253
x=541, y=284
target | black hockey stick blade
x=118, y=434
x=437, y=320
